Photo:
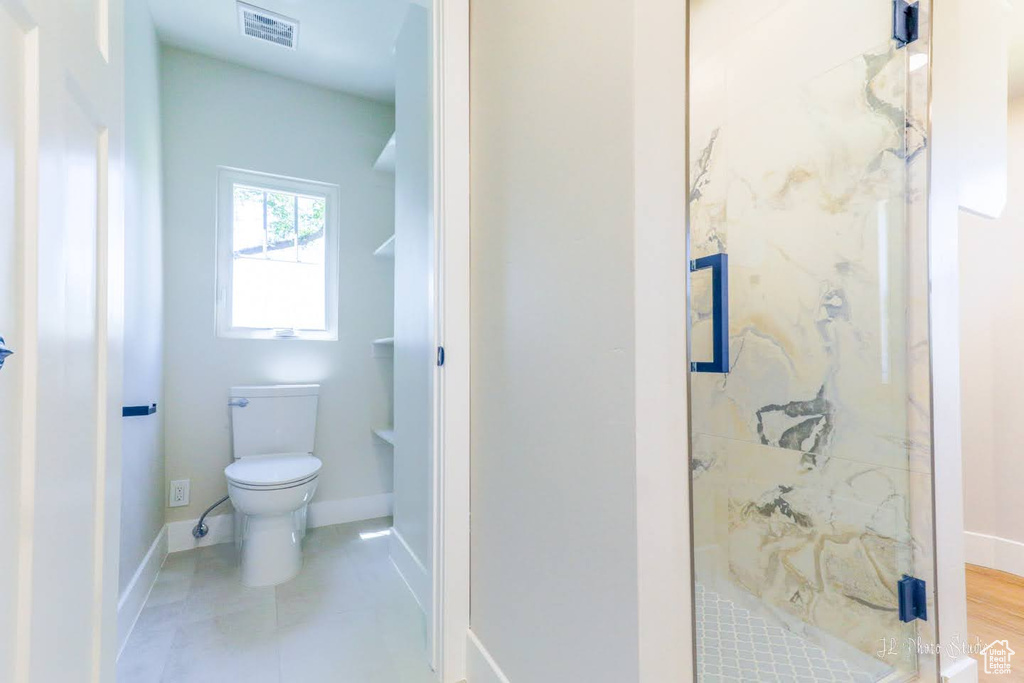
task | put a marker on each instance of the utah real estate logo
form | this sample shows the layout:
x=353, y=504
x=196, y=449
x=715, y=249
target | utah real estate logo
x=997, y=657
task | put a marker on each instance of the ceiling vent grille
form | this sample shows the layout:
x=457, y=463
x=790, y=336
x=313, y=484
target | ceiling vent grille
x=263, y=25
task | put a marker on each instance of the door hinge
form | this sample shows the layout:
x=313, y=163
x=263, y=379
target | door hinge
x=913, y=598
x=904, y=22
x=440, y=356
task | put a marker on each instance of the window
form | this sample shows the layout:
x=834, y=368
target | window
x=277, y=260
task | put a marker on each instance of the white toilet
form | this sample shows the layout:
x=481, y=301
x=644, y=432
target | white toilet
x=273, y=477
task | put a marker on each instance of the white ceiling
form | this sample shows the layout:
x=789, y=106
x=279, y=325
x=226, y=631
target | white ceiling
x=344, y=45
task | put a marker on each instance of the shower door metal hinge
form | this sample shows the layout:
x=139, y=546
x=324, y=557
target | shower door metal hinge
x=904, y=22
x=913, y=599
x=440, y=356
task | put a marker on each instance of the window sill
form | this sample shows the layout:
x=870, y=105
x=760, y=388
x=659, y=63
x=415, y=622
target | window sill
x=271, y=335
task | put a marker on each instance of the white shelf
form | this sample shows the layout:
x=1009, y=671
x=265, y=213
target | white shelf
x=386, y=161
x=386, y=250
x=386, y=434
x=383, y=348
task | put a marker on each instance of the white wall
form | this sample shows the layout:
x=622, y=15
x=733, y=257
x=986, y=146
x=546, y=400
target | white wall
x=992, y=378
x=984, y=49
x=414, y=322
x=142, y=485
x=554, y=542
x=220, y=114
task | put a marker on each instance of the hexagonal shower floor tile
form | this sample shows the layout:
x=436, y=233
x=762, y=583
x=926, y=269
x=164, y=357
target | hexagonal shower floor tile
x=733, y=644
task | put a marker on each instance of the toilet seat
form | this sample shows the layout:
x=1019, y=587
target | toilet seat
x=273, y=471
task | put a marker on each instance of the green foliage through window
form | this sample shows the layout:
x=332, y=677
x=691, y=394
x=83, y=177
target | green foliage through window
x=278, y=225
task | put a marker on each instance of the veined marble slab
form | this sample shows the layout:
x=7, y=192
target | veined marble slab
x=824, y=542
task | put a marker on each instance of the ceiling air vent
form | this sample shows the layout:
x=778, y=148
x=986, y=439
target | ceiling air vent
x=263, y=25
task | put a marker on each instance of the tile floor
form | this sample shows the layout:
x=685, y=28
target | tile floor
x=735, y=645
x=347, y=617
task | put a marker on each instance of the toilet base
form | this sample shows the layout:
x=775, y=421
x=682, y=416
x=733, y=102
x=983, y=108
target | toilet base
x=269, y=532
x=271, y=549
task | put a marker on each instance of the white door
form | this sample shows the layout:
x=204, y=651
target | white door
x=61, y=290
x=11, y=87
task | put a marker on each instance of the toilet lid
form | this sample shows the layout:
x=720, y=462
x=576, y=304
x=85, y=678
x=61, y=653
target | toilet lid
x=273, y=470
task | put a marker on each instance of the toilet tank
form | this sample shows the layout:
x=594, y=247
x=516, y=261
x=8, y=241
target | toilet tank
x=273, y=419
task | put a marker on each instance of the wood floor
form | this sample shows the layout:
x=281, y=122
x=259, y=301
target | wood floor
x=995, y=610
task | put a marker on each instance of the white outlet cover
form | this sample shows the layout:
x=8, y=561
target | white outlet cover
x=179, y=493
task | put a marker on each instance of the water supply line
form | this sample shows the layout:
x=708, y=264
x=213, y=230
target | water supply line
x=201, y=529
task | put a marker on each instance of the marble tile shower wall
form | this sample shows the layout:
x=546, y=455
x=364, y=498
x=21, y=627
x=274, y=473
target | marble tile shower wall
x=811, y=458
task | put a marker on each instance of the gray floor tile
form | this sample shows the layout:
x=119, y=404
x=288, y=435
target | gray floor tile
x=347, y=616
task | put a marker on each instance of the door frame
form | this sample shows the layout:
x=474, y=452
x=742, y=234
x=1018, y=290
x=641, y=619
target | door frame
x=450, y=567
x=664, y=565
x=451, y=459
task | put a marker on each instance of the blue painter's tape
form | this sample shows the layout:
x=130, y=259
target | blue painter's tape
x=137, y=411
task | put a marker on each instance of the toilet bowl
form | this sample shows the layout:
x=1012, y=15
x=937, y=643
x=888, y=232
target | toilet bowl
x=272, y=492
x=273, y=477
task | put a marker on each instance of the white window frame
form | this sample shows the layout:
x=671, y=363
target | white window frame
x=227, y=178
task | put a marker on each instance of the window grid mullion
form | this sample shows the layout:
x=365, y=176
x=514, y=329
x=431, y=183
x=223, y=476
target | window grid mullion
x=265, y=235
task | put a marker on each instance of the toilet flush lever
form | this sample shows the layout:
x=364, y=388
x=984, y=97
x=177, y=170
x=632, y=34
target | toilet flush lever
x=238, y=402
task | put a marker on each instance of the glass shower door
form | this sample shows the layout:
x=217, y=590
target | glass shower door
x=810, y=392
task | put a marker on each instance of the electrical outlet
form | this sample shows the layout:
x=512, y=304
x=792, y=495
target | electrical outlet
x=179, y=493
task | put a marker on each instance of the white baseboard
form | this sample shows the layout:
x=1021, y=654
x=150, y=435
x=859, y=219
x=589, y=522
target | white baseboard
x=480, y=665
x=963, y=670
x=993, y=552
x=411, y=569
x=133, y=599
x=179, y=534
x=321, y=513
x=328, y=512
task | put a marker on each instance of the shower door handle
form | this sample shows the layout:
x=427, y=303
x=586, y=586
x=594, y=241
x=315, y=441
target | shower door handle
x=719, y=265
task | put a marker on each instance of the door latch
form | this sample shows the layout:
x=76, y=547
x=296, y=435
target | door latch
x=4, y=352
